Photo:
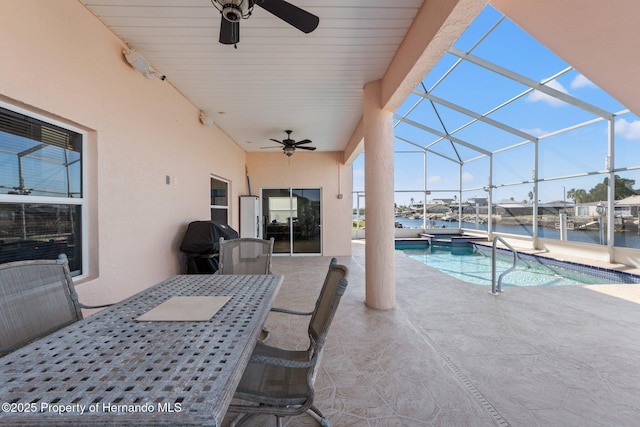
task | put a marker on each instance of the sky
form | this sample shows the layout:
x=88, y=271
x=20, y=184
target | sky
x=48, y=170
x=567, y=160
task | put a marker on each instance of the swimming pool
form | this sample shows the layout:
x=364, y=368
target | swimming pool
x=473, y=265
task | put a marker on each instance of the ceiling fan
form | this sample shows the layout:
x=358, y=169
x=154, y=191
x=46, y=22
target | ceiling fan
x=234, y=10
x=289, y=145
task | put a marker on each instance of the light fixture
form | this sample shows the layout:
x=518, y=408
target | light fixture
x=288, y=151
x=234, y=10
x=138, y=62
x=206, y=119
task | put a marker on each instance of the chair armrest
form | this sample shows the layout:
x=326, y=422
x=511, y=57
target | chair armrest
x=89, y=307
x=276, y=361
x=74, y=297
x=286, y=311
x=268, y=355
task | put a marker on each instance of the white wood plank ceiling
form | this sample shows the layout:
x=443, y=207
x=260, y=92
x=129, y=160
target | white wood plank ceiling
x=278, y=77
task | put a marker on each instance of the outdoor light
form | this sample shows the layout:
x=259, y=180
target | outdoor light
x=206, y=119
x=138, y=62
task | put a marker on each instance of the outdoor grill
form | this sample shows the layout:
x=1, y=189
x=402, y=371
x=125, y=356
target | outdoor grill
x=201, y=244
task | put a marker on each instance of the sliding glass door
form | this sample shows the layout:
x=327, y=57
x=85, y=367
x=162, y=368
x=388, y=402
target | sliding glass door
x=292, y=218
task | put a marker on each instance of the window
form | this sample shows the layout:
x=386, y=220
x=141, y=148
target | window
x=41, y=196
x=219, y=201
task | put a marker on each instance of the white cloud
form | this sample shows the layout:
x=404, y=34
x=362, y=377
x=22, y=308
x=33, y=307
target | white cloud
x=628, y=130
x=537, y=96
x=581, y=81
x=535, y=131
x=466, y=177
x=434, y=179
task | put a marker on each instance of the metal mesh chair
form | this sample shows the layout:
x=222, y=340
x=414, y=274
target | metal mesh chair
x=333, y=262
x=37, y=298
x=280, y=382
x=245, y=256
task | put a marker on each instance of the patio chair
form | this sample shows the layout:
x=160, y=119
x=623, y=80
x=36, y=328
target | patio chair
x=245, y=256
x=333, y=262
x=280, y=382
x=37, y=298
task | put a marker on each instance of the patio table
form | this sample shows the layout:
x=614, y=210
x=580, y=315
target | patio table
x=109, y=369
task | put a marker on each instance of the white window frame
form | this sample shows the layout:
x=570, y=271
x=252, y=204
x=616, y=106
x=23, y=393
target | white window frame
x=228, y=205
x=82, y=201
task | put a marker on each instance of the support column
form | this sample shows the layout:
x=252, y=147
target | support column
x=379, y=199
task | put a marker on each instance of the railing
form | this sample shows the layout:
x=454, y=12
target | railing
x=496, y=286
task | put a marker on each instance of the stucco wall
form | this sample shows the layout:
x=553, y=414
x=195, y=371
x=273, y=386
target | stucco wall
x=61, y=62
x=311, y=170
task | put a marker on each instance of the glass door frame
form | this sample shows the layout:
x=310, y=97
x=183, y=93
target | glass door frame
x=291, y=215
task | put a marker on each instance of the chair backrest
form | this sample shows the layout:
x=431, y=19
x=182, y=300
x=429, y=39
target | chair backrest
x=335, y=285
x=36, y=298
x=245, y=256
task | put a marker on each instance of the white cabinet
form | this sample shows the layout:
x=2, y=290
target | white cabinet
x=250, y=224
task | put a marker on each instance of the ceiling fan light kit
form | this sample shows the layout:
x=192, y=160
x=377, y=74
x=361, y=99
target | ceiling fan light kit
x=233, y=11
x=290, y=145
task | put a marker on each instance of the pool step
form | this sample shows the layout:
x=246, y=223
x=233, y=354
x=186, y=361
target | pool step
x=457, y=239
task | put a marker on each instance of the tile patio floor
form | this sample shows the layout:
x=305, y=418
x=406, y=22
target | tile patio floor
x=452, y=354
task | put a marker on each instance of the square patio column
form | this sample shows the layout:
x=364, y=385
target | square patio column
x=379, y=216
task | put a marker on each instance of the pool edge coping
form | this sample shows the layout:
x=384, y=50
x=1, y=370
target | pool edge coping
x=611, y=274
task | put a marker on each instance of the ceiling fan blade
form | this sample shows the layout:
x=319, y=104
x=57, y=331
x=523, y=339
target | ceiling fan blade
x=292, y=15
x=304, y=141
x=229, y=32
x=265, y=148
x=275, y=140
x=306, y=148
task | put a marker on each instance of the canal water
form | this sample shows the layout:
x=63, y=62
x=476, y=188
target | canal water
x=623, y=239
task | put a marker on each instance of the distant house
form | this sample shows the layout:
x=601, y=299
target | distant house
x=482, y=201
x=555, y=207
x=588, y=209
x=520, y=209
x=442, y=201
x=628, y=207
x=513, y=209
x=625, y=208
x=434, y=208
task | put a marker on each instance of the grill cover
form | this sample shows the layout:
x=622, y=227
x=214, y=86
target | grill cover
x=203, y=237
x=201, y=243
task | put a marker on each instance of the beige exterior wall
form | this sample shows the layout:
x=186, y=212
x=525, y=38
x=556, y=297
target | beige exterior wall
x=311, y=170
x=62, y=63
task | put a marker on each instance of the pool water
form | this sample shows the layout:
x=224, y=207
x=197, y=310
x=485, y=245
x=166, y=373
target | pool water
x=474, y=266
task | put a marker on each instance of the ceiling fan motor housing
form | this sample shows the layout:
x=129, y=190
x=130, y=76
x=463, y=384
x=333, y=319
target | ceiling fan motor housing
x=234, y=10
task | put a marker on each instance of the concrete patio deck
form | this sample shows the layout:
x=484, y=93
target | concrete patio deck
x=452, y=354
